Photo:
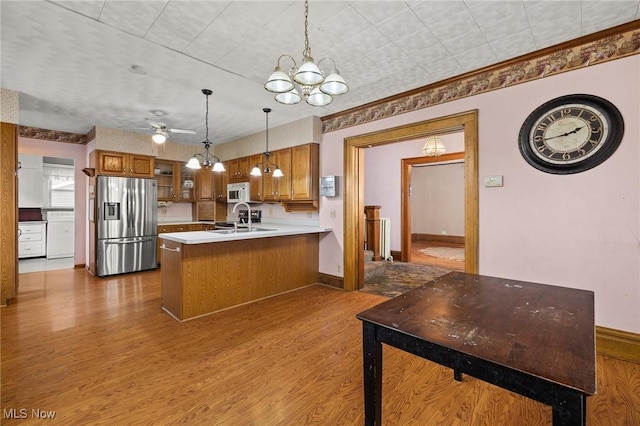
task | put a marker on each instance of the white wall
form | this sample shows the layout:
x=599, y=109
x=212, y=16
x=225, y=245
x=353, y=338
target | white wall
x=577, y=230
x=437, y=199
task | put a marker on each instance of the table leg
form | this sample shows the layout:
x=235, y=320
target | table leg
x=457, y=375
x=572, y=412
x=372, y=363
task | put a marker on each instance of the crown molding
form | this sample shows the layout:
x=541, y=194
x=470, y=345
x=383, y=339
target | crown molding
x=604, y=46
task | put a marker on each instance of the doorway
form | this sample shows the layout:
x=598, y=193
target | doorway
x=466, y=122
x=433, y=211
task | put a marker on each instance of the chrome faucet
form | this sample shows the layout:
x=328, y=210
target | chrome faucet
x=249, y=213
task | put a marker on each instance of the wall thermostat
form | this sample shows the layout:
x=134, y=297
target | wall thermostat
x=329, y=186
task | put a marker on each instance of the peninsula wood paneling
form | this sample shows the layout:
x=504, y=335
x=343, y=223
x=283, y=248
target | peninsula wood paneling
x=216, y=276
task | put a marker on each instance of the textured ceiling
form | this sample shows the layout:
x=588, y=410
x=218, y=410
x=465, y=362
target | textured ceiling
x=71, y=60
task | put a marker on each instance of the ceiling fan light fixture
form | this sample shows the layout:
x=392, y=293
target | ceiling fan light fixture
x=159, y=137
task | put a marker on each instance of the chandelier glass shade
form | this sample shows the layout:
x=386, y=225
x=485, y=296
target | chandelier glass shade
x=308, y=80
x=433, y=147
x=208, y=158
x=265, y=166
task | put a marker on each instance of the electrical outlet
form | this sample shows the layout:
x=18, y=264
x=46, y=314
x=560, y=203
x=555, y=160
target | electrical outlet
x=333, y=214
x=270, y=212
x=339, y=268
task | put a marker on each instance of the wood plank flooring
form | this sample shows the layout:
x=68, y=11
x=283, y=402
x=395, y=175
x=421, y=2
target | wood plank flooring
x=102, y=352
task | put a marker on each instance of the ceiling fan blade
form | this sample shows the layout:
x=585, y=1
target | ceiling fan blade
x=156, y=124
x=186, y=132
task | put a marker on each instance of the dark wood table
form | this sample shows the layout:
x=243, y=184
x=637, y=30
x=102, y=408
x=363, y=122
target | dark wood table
x=533, y=339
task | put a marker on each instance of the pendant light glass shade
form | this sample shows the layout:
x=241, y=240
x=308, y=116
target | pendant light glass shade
x=433, y=147
x=193, y=163
x=256, y=171
x=308, y=74
x=318, y=98
x=334, y=85
x=279, y=82
x=218, y=167
x=289, y=98
x=277, y=173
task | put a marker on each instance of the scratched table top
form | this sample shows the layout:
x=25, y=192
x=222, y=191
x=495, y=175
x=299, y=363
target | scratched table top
x=543, y=330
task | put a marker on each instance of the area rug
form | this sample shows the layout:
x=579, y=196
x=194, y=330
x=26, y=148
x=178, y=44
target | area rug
x=449, y=253
x=400, y=277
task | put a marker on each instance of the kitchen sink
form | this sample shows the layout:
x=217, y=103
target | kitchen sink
x=241, y=230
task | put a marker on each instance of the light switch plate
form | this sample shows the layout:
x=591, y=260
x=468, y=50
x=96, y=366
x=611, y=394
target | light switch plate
x=492, y=181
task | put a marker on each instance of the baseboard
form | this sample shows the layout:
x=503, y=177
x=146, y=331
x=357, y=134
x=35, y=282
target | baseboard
x=79, y=265
x=397, y=255
x=618, y=344
x=435, y=238
x=331, y=280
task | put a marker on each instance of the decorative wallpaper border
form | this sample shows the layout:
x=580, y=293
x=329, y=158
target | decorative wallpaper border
x=604, y=46
x=51, y=135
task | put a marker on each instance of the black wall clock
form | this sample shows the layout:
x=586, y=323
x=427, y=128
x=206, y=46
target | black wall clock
x=571, y=134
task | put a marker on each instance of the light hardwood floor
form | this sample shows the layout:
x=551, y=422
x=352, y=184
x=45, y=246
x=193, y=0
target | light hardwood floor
x=101, y=351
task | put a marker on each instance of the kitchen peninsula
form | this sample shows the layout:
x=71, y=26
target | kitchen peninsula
x=206, y=271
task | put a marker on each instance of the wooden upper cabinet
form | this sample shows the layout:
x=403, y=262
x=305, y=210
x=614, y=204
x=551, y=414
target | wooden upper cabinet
x=283, y=160
x=220, y=181
x=304, y=172
x=239, y=169
x=257, y=193
x=175, y=181
x=123, y=164
x=204, y=184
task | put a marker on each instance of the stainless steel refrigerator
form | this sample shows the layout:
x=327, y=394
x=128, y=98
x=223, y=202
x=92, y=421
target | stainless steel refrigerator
x=127, y=225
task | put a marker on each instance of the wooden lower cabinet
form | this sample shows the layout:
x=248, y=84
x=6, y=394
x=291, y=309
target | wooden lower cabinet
x=163, y=229
x=198, y=279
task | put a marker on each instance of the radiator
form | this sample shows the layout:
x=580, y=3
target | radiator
x=385, y=238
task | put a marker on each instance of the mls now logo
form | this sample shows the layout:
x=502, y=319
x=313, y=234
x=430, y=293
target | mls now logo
x=23, y=413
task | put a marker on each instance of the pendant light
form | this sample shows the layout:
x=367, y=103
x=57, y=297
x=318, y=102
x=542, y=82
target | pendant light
x=194, y=163
x=311, y=81
x=265, y=165
x=433, y=147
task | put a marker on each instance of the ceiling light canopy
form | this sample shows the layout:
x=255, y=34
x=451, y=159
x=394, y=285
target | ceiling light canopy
x=433, y=147
x=194, y=163
x=265, y=166
x=311, y=81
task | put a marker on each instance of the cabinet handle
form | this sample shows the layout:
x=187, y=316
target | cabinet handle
x=176, y=250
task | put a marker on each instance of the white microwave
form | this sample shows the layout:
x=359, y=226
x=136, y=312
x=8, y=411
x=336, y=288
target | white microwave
x=237, y=192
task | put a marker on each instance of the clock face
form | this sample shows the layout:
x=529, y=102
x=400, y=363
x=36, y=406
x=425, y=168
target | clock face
x=571, y=134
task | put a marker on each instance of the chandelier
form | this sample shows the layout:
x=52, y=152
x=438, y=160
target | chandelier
x=316, y=89
x=265, y=165
x=433, y=147
x=194, y=163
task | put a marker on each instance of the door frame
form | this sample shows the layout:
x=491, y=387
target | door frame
x=405, y=208
x=354, y=185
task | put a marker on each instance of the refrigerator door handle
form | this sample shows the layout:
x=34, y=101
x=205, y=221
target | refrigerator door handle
x=129, y=241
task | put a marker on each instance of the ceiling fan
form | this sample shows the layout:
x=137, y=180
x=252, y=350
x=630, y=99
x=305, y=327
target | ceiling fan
x=161, y=131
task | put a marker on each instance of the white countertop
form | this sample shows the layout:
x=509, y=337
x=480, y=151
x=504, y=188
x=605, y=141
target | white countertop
x=275, y=230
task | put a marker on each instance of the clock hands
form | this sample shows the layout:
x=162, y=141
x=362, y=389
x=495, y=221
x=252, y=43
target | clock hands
x=576, y=130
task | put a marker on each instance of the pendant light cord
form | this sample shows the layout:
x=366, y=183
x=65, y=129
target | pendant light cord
x=307, y=49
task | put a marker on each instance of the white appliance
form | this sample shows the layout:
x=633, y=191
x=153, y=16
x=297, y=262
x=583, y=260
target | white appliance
x=238, y=192
x=60, y=235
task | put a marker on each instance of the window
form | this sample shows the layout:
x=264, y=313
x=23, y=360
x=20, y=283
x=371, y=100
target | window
x=60, y=185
